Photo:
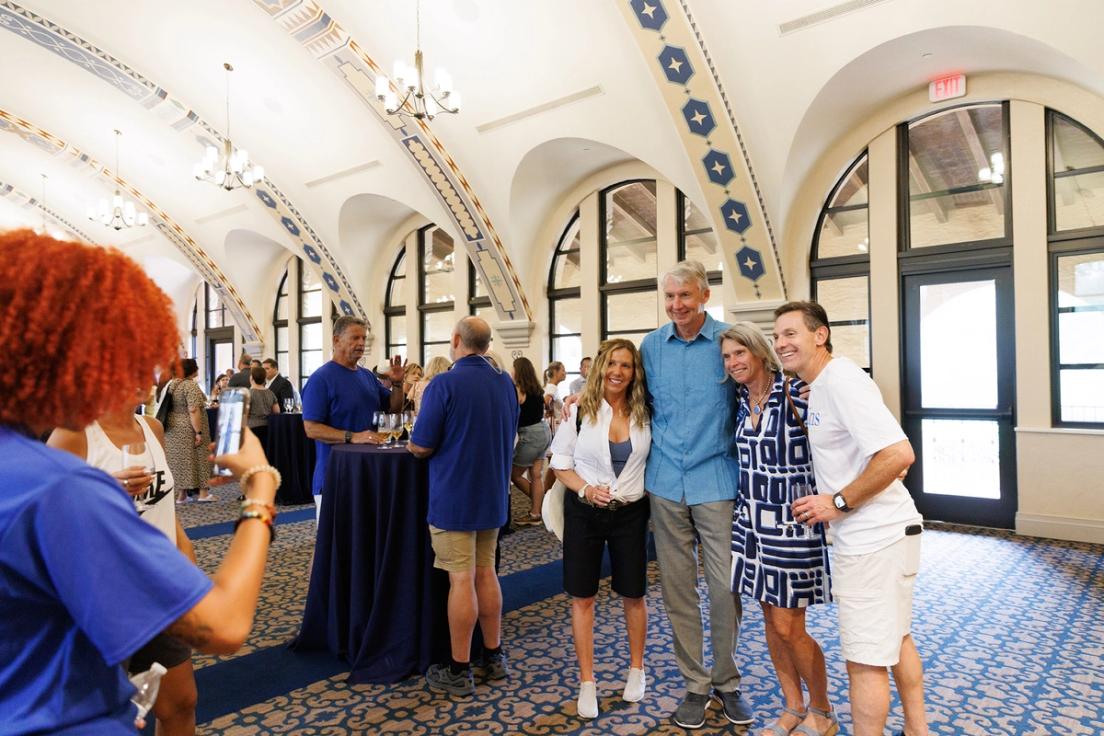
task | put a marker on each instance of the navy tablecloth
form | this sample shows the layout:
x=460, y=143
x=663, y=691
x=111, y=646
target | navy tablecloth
x=292, y=453
x=375, y=599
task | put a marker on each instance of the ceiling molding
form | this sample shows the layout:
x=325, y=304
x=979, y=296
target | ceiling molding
x=46, y=142
x=539, y=109
x=10, y=192
x=221, y=214
x=323, y=37
x=691, y=91
x=825, y=15
x=84, y=55
x=342, y=174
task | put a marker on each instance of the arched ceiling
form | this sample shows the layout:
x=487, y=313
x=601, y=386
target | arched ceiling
x=532, y=75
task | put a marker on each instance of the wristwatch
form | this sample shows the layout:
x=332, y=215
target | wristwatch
x=840, y=502
x=582, y=491
x=348, y=436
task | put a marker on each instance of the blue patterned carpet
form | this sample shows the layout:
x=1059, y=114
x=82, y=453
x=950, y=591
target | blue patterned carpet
x=1011, y=630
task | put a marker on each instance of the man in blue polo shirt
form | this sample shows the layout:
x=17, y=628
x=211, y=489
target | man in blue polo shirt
x=692, y=482
x=341, y=398
x=466, y=428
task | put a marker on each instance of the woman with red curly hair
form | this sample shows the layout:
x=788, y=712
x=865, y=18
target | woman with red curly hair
x=86, y=582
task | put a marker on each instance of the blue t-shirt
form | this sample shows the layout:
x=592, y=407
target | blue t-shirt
x=343, y=399
x=469, y=418
x=692, y=411
x=84, y=583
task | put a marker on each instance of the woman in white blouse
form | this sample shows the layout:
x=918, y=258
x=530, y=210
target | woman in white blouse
x=599, y=454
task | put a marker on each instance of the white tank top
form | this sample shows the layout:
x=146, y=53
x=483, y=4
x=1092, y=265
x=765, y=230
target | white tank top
x=160, y=501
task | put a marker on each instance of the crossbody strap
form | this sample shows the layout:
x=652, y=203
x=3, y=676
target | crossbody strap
x=793, y=407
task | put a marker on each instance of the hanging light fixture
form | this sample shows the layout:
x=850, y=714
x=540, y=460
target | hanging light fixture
x=232, y=168
x=119, y=213
x=417, y=101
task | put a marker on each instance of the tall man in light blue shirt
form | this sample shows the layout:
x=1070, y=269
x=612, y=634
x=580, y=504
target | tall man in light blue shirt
x=693, y=483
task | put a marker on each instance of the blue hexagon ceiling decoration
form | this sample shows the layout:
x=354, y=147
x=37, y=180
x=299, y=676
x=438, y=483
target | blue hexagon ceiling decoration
x=735, y=215
x=675, y=64
x=650, y=13
x=718, y=167
x=750, y=263
x=312, y=254
x=330, y=281
x=290, y=226
x=698, y=117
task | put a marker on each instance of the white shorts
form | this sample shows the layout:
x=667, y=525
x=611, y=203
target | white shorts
x=874, y=593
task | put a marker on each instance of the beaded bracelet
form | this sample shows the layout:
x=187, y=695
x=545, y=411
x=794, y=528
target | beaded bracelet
x=244, y=480
x=247, y=502
x=260, y=516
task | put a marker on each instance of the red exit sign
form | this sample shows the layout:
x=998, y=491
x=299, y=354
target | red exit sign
x=947, y=88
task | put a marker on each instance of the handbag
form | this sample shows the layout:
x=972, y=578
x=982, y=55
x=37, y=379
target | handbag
x=552, y=509
x=164, y=404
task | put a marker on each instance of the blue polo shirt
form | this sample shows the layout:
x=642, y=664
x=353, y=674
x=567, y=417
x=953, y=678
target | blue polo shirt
x=692, y=415
x=84, y=583
x=469, y=417
x=341, y=398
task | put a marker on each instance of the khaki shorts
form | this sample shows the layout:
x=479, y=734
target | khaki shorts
x=463, y=551
x=874, y=593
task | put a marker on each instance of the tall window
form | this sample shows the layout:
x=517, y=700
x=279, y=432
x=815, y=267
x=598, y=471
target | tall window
x=1076, y=186
x=310, y=322
x=280, y=324
x=698, y=242
x=436, y=298
x=627, y=259
x=841, y=264
x=565, y=319
x=216, y=310
x=394, y=308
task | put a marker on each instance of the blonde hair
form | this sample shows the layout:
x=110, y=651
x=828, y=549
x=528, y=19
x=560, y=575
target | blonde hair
x=637, y=394
x=438, y=364
x=752, y=338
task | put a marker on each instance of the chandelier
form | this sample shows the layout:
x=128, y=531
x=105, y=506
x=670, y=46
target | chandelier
x=230, y=169
x=417, y=102
x=119, y=213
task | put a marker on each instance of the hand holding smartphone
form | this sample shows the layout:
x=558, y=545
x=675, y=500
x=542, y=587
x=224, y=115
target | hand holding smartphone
x=233, y=414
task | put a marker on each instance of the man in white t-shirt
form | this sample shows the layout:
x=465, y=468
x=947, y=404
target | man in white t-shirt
x=859, y=456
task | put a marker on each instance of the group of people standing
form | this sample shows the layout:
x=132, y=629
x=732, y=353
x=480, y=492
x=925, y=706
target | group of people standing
x=741, y=454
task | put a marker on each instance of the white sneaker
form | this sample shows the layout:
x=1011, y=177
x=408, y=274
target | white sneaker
x=635, y=685
x=588, y=700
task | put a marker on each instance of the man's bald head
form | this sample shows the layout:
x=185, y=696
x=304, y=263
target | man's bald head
x=475, y=335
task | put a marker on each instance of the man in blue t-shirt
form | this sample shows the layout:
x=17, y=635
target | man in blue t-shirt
x=341, y=399
x=466, y=428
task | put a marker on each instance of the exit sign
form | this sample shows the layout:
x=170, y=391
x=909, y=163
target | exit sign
x=947, y=88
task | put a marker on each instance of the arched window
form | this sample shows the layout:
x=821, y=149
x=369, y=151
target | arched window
x=840, y=264
x=627, y=260
x=1076, y=244
x=309, y=321
x=394, y=308
x=436, y=259
x=565, y=319
x=280, y=324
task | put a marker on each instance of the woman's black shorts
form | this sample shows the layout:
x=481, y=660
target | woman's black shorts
x=588, y=531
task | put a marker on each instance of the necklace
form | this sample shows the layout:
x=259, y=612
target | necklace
x=757, y=406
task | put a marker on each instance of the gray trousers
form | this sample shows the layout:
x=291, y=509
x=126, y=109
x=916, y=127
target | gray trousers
x=676, y=549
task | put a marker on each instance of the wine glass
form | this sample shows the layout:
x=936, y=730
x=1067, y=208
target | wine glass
x=800, y=489
x=408, y=423
x=289, y=406
x=395, y=423
x=138, y=454
x=379, y=419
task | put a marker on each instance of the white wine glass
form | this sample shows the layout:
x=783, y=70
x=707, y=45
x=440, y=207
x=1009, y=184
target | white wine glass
x=798, y=490
x=408, y=423
x=137, y=454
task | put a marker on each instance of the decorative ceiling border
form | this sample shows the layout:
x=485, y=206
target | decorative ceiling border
x=72, y=48
x=21, y=198
x=83, y=163
x=327, y=41
x=671, y=41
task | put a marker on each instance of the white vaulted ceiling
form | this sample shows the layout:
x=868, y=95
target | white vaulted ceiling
x=553, y=91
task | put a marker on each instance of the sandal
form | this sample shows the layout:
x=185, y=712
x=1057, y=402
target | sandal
x=776, y=730
x=833, y=727
x=529, y=520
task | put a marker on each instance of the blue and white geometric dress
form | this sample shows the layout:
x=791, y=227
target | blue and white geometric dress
x=773, y=559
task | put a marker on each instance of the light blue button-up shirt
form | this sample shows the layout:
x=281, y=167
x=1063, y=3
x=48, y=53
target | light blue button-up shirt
x=692, y=415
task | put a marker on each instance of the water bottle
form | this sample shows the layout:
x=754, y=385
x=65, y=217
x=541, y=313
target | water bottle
x=146, y=685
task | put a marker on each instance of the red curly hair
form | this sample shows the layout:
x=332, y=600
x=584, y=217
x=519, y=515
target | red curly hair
x=81, y=328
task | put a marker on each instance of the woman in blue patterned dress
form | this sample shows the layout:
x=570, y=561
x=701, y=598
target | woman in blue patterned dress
x=781, y=563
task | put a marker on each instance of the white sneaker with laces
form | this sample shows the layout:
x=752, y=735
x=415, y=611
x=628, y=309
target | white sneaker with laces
x=635, y=685
x=588, y=700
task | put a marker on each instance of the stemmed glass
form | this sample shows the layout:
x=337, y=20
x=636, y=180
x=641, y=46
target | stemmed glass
x=798, y=490
x=408, y=423
x=289, y=406
x=137, y=454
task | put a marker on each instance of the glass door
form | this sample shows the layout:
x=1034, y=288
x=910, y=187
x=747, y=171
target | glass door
x=959, y=395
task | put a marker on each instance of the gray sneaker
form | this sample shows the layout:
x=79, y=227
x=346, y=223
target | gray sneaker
x=441, y=678
x=735, y=708
x=494, y=666
x=691, y=711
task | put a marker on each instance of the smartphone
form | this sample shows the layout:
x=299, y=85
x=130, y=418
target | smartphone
x=232, y=416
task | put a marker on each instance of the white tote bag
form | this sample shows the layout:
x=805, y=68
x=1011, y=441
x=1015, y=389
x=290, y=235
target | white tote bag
x=552, y=509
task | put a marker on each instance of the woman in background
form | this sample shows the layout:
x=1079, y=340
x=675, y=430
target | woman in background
x=187, y=436
x=262, y=403
x=534, y=437
x=436, y=365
